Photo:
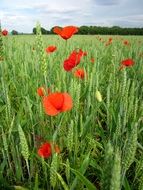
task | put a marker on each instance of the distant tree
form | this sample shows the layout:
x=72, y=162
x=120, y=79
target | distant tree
x=92, y=30
x=14, y=32
x=34, y=30
x=83, y=30
x=43, y=31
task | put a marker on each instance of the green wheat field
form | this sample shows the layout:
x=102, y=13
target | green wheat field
x=100, y=138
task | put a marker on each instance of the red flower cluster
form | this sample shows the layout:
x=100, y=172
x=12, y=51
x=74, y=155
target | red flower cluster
x=73, y=60
x=66, y=32
x=45, y=149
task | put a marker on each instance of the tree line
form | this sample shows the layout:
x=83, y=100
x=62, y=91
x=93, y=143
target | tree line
x=95, y=30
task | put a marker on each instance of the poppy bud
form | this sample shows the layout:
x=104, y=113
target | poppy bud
x=98, y=96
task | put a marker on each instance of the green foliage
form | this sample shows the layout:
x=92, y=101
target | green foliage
x=101, y=143
x=1, y=45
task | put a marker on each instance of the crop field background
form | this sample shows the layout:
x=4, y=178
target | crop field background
x=99, y=141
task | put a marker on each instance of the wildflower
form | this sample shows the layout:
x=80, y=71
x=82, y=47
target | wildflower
x=126, y=63
x=66, y=32
x=126, y=42
x=41, y=91
x=4, y=32
x=56, y=103
x=73, y=60
x=92, y=60
x=79, y=73
x=45, y=149
x=51, y=49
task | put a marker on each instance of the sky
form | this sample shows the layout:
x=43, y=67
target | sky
x=22, y=15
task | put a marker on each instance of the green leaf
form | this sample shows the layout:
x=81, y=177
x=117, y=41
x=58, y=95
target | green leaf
x=84, y=180
x=126, y=184
x=62, y=181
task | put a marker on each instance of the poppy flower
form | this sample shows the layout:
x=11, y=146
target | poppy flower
x=73, y=60
x=4, y=32
x=66, y=32
x=69, y=64
x=45, y=150
x=126, y=63
x=85, y=53
x=57, y=149
x=126, y=42
x=51, y=49
x=56, y=103
x=110, y=40
x=92, y=60
x=79, y=73
x=41, y=91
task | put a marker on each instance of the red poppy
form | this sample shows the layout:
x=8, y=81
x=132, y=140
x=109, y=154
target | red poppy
x=110, y=40
x=45, y=149
x=56, y=103
x=92, y=60
x=85, y=53
x=126, y=42
x=69, y=64
x=41, y=91
x=4, y=32
x=57, y=149
x=73, y=60
x=51, y=49
x=126, y=63
x=66, y=32
x=79, y=73
x=108, y=43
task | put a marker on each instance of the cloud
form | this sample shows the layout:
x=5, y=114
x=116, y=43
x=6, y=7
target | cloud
x=23, y=15
x=107, y=2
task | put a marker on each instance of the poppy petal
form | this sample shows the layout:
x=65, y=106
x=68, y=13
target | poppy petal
x=45, y=150
x=49, y=108
x=67, y=105
x=57, y=30
x=56, y=99
x=68, y=31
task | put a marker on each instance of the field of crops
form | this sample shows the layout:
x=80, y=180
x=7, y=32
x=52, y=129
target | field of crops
x=92, y=139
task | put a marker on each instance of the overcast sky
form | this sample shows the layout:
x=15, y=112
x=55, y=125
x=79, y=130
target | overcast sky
x=22, y=15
